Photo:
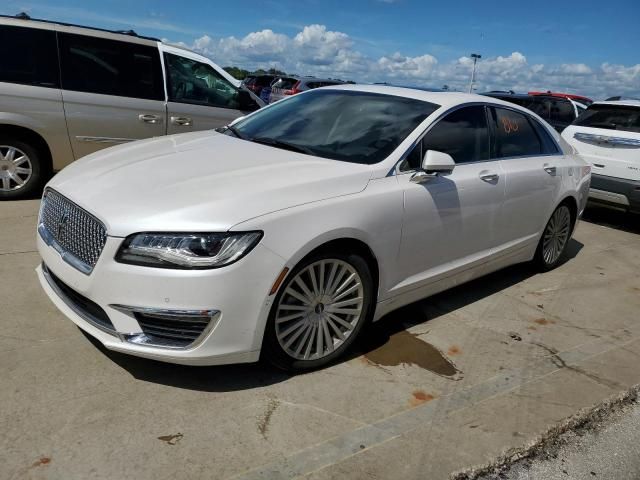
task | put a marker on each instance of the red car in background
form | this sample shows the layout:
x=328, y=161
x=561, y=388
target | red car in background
x=578, y=98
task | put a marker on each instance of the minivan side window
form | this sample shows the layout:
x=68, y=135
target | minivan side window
x=611, y=117
x=513, y=135
x=463, y=134
x=29, y=56
x=110, y=67
x=190, y=81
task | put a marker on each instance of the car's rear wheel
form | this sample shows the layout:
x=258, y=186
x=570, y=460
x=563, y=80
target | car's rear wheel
x=319, y=310
x=20, y=168
x=555, y=239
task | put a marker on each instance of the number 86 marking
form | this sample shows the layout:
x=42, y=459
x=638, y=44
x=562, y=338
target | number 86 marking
x=509, y=125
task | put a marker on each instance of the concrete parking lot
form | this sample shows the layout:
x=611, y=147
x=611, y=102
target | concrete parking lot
x=439, y=386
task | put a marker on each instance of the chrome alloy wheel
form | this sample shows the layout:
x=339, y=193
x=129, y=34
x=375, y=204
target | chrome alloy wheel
x=319, y=309
x=15, y=168
x=556, y=235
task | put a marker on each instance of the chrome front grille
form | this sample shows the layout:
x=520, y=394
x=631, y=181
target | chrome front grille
x=77, y=235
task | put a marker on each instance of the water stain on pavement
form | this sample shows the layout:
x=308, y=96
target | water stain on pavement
x=419, y=397
x=543, y=321
x=406, y=348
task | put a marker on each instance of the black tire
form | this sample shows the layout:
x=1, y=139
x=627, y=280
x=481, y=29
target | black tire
x=541, y=261
x=273, y=352
x=34, y=181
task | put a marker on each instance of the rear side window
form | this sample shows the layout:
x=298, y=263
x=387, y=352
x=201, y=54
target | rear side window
x=513, y=135
x=110, y=67
x=286, y=83
x=611, y=117
x=28, y=56
x=463, y=134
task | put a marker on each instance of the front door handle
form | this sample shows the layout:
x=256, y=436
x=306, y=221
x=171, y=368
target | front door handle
x=489, y=177
x=549, y=169
x=149, y=118
x=183, y=121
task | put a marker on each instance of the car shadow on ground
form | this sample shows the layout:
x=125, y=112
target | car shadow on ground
x=607, y=217
x=247, y=376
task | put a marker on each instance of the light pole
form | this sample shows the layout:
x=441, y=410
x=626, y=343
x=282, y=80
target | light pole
x=475, y=57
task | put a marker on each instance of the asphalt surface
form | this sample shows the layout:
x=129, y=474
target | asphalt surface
x=437, y=387
x=609, y=449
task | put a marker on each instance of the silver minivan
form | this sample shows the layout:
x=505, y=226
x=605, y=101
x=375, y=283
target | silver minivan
x=67, y=91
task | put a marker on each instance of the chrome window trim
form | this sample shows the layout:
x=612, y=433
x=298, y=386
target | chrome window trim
x=396, y=168
x=141, y=339
x=69, y=303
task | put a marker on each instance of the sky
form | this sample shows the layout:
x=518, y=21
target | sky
x=587, y=47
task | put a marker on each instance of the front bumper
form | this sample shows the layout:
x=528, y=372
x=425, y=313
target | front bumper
x=617, y=192
x=237, y=296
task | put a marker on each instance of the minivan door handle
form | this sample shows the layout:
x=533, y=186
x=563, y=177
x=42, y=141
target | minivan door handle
x=149, y=118
x=489, y=177
x=550, y=169
x=183, y=121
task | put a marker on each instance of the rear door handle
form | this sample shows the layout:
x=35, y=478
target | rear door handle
x=183, y=121
x=489, y=177
x=149, y=118
x=549, y=169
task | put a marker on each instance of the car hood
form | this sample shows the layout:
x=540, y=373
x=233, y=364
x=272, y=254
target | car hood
x=201, y=181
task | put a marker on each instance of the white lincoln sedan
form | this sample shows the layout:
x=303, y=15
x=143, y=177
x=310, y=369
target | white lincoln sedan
x=282, y=235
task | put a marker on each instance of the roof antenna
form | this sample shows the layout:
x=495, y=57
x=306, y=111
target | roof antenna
x=23, y=16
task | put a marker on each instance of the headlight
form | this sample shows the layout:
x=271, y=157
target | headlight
x=186, y=250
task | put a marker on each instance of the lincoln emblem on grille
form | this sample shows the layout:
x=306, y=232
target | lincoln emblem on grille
x=62, y=224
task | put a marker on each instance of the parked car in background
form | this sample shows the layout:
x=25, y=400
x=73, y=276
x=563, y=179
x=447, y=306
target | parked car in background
x=67, y=91
x=578, y=98
x=558, y=111
x=256, y=83
x=287, y=86
x=607, y=135
x=283, y=235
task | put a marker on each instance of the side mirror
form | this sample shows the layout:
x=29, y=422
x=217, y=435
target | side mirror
x=434, y=163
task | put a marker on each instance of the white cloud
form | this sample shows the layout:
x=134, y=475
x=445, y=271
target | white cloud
x=315, y=50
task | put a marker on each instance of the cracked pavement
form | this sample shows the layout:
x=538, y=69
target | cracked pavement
x=444, y=384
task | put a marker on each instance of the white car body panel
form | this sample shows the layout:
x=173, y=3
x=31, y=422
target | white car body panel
x=425, y=238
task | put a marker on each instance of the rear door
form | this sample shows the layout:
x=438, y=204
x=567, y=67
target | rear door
x=112, y=90
x=532, y=164
x=608, y=137
x=200, y=97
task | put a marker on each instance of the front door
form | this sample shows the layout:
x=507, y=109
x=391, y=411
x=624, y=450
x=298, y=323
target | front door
x=113, y=91
x=449, y=221
x=200, y=98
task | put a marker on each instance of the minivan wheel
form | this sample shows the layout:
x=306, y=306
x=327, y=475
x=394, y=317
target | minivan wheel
x=319, y=310
x=20, y=168
x=555, y=239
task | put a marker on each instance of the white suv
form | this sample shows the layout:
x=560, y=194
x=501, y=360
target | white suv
x=67, y=91
x=607, y=135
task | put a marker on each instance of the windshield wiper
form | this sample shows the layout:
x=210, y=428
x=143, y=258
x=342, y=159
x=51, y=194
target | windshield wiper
x=236, y=132
x=281, y=144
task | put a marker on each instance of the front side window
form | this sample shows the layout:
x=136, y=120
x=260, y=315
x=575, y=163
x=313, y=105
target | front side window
x=110, y=67
x=357, y=127
x=611, y=117
x=190, y=81
x=463, y=134
x=513, y=135
x=29, y=56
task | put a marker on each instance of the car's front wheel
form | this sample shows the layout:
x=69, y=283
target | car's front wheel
x=555, y=239
x=319, y=310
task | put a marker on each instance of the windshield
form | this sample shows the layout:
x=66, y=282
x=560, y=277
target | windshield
x=355, y=127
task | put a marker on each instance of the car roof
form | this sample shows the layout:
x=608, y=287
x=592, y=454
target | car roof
x=24, y=20
x=444, y=99
x=627, y=103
